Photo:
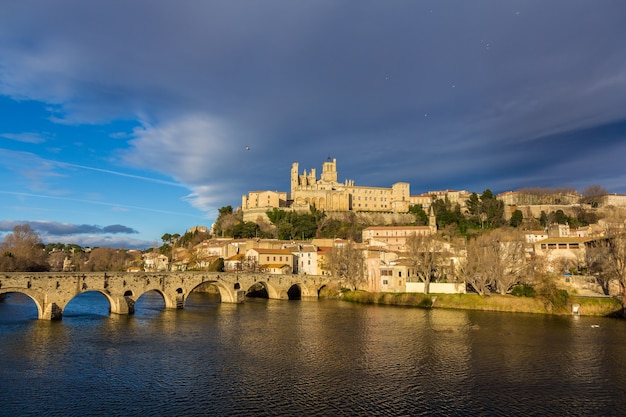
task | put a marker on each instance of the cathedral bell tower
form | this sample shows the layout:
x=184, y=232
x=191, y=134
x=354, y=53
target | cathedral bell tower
x=329, y=171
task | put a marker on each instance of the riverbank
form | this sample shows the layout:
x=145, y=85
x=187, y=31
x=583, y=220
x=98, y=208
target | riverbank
x=587, y=306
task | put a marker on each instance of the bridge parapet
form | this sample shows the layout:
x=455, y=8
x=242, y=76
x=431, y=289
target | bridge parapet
x=52, y=291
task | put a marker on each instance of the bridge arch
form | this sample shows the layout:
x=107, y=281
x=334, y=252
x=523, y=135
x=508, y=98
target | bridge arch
x=113, y=304
x=295, y=292
x=32, y=295
x=226, y=294
x=152, y=288
x=272, y=293
x=107, y=297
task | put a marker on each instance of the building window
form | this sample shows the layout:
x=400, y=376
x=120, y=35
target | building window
x=385, y=282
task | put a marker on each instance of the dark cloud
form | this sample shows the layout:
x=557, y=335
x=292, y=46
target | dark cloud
x=50, y=228
x=473, y=95
x=118, y=228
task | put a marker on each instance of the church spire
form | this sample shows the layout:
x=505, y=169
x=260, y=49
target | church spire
x=432, y=221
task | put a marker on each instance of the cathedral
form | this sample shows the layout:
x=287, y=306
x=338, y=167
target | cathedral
x=328, y=194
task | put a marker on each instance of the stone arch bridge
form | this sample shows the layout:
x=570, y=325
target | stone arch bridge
x=52, y=291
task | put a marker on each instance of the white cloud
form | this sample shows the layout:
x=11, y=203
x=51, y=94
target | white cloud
x=196, y=150
x=27, y=137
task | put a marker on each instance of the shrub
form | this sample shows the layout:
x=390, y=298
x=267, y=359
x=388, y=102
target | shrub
x=523, y=290
x=426, y=302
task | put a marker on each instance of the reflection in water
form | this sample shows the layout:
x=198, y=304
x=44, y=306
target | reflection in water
x=269, y=357
x=16, y=307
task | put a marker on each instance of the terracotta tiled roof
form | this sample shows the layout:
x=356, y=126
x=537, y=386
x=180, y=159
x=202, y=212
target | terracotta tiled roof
x=272, y=251
x=567, y=240
x=397, y=228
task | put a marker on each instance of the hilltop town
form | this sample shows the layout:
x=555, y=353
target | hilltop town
x=388, y=240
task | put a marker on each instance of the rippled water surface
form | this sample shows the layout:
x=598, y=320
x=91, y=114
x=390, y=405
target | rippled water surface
x=326, y=358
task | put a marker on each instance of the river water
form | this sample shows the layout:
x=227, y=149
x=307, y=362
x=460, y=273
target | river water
x=311, y=358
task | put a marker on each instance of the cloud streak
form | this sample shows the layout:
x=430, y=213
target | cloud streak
x=99, y=203
x=26, y=137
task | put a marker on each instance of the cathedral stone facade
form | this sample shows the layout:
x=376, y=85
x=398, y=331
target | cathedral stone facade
x=328, y=194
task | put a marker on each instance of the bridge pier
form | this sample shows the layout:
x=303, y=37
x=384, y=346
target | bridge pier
x=51, y=311
x=122, y=305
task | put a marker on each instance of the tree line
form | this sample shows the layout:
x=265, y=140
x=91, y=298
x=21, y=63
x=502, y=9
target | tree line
x=23, y=251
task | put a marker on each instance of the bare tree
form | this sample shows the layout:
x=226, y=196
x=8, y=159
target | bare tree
x=596, y=257
x=107, y=259
x=424, y=254
x=473, y=268
x=23, y=250
x=614, y=264
x=496, y=258
x=347, y=263
x=593, y=194
x=56, y=260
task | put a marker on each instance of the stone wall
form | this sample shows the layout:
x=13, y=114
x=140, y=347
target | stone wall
x=437, y=287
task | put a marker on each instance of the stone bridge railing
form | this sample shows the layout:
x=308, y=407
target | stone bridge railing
x=52, y=291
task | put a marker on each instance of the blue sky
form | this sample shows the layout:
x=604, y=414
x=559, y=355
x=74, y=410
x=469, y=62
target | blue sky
x=124, y=120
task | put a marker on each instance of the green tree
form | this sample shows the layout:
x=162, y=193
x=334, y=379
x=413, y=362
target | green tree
x=285, y=231
x=474, y=207
x=167, y=238
x=543, y=219
x=294, y=225
x=227, y=220
x=223, y=211
x=585, y=217
x=421, y=218
x=246, y=230
x=276, y=216
x=486, y=211
x=517, y=218
x=448, y=217
x=492, y=209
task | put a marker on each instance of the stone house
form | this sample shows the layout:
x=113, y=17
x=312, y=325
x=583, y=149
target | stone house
x=154, y=262
x=560, y=252
x=305, y=257
x=273, y=261
x=235, y=263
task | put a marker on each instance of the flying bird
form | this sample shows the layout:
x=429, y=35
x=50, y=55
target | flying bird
x=247, y=148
